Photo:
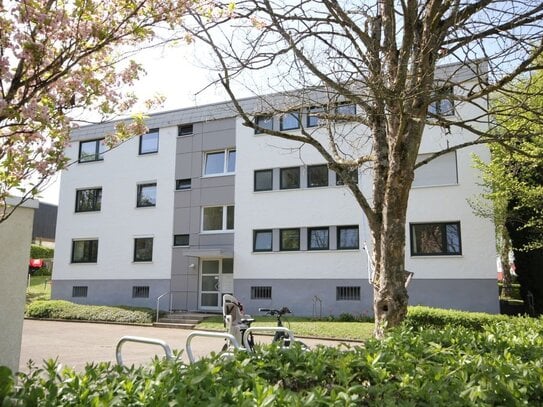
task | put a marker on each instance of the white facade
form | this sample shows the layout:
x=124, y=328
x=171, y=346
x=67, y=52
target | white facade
x=195, y=266
x=119, y=221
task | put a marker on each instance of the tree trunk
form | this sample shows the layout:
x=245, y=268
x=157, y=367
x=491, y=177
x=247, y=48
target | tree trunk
x=390, y=294
x=507, y=280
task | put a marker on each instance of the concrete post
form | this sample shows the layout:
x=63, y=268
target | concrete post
x=15, y=238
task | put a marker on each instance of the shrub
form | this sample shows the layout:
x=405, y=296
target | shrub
x=58, y=309
x=41, y=252
x=420, y=316
x=450, y=366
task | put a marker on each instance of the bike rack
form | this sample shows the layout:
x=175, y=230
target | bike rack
x=140, y=339
x=206, y=334
x=266, y=329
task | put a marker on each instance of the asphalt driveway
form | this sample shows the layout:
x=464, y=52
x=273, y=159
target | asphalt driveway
x=77, y=343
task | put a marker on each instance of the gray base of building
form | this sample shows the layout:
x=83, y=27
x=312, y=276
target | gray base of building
x=318, y=297
x=112, y=292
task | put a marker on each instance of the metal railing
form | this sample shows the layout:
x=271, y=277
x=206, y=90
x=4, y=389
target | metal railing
x=170, y=293
x=206, y=334
x=140, y=339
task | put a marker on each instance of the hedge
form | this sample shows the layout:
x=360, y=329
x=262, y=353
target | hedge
x=58, y=309
x=421, y=316
x=41, y=252
x=502, y=364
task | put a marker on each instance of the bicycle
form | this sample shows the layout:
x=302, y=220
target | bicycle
x=279, y=335
x=239, y=324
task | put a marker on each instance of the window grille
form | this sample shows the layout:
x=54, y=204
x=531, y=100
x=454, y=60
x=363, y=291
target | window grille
x=261, y=293
x=348, y=293
x=140, y=292
x=79, y=291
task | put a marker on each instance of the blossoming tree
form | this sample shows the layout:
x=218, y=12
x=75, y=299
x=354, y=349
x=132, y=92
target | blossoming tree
x=58, y=58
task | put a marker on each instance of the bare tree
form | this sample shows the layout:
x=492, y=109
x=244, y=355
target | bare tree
x=396, y=61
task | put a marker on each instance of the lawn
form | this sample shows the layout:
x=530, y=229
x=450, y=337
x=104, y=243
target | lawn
x=39, y=289
x=305, y=327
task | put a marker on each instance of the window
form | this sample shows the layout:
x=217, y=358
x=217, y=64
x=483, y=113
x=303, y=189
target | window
x=88, y=200
x=149, y=142
x=181, y=240
x=346, y=109
x=92, y=150
x=317, y=176
x=84, y=251
x=347, y=237
x=182, y=184
x=349, y=293
x=185, y=130
x=444, y=105
x=263, y=180
x=261, y=293
x=318, y=238
x=265, y=122
x=290, y=178
x=143, y=249
x=79, y=291
x=434, y=239
x=146, y=195
x=312, y=119
x=262, y=240
x=353, y=174
x=289, y=239
x=290, y=121
x=218, y=218
x=220, y=162
x=442, y=170
x=140, y=291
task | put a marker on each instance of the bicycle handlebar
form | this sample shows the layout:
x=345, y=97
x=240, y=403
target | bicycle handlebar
x=279, y=312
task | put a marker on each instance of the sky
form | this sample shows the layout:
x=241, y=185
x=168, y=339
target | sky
x=179, y=74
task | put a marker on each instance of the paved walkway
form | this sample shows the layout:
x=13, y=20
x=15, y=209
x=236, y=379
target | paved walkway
x=77, y=343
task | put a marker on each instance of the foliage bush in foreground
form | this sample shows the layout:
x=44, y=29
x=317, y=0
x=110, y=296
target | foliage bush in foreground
x=500, y=364
x=58, y=309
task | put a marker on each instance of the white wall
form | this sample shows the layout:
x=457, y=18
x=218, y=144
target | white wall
x=334, y=205
x=119, y=221
x=307, y=207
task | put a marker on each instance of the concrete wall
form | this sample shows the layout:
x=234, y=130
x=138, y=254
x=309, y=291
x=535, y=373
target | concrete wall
x=15, y=235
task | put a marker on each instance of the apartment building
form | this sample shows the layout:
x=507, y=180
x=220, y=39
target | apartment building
x=201, y=206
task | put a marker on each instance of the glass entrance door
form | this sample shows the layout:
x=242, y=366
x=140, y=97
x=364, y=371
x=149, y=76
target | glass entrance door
x=216, y=279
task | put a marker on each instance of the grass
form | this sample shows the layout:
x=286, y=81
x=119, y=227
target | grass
x=39, y=289
x=305, y=327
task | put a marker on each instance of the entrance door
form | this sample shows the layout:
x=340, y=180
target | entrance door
x=216, y=279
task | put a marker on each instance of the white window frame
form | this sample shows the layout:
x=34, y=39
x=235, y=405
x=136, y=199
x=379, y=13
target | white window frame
x=225, y=171
x=224, y=219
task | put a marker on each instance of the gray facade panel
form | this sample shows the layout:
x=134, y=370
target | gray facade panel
x=181, y=224
x=111, y=292
x=217, y=182
x=218, y=240
x=205, y=191
x=298, y=294
x=220, y=195
x=479, y=295
x=219, y=126
x=183, y=165
x=182, y=199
